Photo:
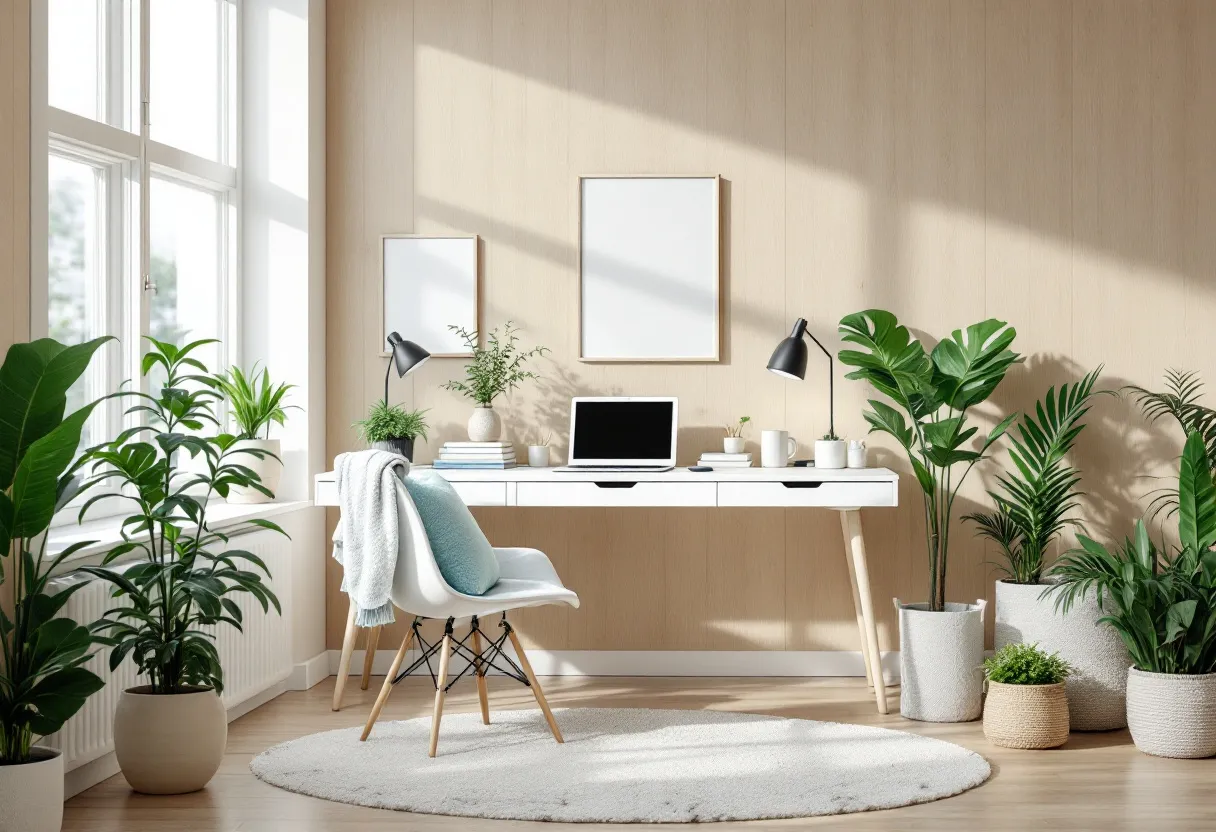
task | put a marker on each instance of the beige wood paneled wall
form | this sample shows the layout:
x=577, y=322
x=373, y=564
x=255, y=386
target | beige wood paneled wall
x=14, y=171
x=1042, y=161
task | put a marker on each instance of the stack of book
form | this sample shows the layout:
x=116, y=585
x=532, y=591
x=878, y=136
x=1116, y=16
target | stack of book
x=718, y=460
x=476, y=455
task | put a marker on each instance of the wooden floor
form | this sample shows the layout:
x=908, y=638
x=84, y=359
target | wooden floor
x=1096, y=781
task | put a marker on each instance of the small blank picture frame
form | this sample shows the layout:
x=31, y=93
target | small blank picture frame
x=650, y=268
x=430, y=283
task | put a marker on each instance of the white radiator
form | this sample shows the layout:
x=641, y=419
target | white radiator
x=254, y=660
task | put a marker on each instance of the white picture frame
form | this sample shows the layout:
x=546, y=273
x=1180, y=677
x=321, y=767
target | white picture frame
x=427, y=284
x=650, y=268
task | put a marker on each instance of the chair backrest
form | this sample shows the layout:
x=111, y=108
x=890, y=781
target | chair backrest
x=418, y=585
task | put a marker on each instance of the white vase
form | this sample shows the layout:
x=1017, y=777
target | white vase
x=1098, y=683
x=1172, y=715
x=169, y=743
x=940, y=661
x=831, y=453
x=268, y=468
x=484, y=425
x=732, y=445
x=31, y=794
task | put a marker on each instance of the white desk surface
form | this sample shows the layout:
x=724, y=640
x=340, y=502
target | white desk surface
x=524, y=473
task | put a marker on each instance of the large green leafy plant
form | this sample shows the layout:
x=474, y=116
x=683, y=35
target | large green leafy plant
x=254, y=402
x=1035, y=499
x=1161, y=602
x=186, y=573
x=496, y=369
x=42, y=682
x=932, y=395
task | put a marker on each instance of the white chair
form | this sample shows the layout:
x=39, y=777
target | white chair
x=527, y=580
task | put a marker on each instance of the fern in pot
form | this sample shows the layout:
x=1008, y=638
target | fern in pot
x=496, y=369
x=256, y=404
x=390, y=427
x=176, y=578
x=1027, y=705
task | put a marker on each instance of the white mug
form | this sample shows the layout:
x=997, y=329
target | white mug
x=777, y=447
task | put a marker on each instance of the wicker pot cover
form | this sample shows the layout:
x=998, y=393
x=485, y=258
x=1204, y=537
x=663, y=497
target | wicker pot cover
x=1096, y=689
x=1172, y=715
x=1026, y=716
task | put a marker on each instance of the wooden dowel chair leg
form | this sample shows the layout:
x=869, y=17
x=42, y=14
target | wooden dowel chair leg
x=348, y=647
x=479, y=673
x=387, y=688
x=369, y=655
x=445, y=653
x=536, y=690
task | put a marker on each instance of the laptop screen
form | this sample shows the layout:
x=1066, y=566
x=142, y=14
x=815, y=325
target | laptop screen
x=624, y=429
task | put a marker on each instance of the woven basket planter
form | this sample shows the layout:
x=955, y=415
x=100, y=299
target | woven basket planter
x=1026, y=716
x=1172, y=715
x=940, y=657
x=1097, y=686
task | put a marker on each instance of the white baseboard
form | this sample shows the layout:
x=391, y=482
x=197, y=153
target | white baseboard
x=308, y=673
x=671, y=663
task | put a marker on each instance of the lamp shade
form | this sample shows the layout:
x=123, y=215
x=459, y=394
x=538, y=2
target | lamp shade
x=406, y=354
x=789, y=359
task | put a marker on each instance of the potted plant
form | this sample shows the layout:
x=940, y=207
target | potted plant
x=42, y=680
x=733, y=443
x=831, y=451
x=255, y=404
x=941, y=643
x=497, y=369
x=538, y=454
x=1162, y=603
x=390, y=427
x=170, y=734
x=1034, y=500
x=1026, y=706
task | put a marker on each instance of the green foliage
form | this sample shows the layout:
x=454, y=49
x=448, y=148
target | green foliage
x=1162, y=604
x=186, y=575
x=497, y=369
x=1035, y=499
x=42, y=682
x=254, y=402
x=737, y=430
x=391, y=421
x=1026, y=664
x=830, y=436
x=1180, y=402
x=932, y=393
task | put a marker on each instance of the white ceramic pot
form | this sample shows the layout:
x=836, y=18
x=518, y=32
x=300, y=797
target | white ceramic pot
x=169, y=744
x=31, y=794
x=1097, y=686
x=831, y=453
x=538, y=456
x=268, y=468
x=732, y=445
x=940, y=661
x=1172, y=715
x=484, y=425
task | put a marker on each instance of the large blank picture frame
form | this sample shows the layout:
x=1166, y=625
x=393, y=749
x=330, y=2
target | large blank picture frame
x=650, y=268
x=430, y=283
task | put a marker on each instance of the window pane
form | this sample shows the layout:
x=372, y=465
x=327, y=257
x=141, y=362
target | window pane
x=185, y=49
x=75, y=54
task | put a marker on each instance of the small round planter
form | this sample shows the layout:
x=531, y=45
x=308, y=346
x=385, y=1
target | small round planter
x=1172, y=715
x=733, y=445
x=1097, y=686
x=397, y=445
x=831, y=453
x=538, y=456
x=1026, y=716
x=169, y=743
x=484, y=425
x=268, y=468
x=940, y=658
x=31, y=794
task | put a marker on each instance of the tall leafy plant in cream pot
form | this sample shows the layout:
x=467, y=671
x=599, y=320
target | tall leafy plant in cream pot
x=941, y=643
x=496, y=369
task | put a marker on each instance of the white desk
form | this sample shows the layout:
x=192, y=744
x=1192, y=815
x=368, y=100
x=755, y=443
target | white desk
x=845, y=491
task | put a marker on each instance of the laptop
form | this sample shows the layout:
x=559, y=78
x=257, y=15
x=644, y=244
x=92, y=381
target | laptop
x=622, y=433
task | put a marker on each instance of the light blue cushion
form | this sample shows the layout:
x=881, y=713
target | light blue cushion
x=465, y=557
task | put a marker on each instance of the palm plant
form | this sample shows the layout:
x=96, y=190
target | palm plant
x=1035, y=499
x=935, y=390
x=1179, y=402
x=254, y=402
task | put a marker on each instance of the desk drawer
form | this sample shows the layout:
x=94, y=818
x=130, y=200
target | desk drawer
x=806, y=493
x=616, y=493
x=482, y=493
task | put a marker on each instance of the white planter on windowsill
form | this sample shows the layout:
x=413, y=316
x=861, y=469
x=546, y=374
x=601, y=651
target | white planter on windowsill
x=268, y=467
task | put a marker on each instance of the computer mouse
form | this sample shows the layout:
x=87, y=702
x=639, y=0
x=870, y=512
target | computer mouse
x=699, y=469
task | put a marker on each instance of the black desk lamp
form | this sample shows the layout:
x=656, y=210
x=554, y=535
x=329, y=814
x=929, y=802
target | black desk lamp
x=407, y=356
x=789, y=360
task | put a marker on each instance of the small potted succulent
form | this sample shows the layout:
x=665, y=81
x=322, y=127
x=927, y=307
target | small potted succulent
x=831, y=451
x=496, y=369
x=1027, y=705
x=390, y=427
x=255, y=404
x=733, y=443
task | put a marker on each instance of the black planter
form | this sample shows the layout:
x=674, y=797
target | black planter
x=397, y=445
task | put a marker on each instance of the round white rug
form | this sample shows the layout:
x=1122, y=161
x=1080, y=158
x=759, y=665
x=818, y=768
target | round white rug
x=625, y=766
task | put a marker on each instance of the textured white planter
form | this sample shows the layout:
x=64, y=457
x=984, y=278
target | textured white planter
x=538, y=456
x=1172, y=715
x=31, y=795
x=169, y=744
x=1097, y=686
x=940, y=662
x=831, y=454
x=732, y=445
x=484, y=425
x=268, y=468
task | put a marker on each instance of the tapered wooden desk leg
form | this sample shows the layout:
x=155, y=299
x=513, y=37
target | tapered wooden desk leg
x=444, y=654
x=387, y=688
x=369, y=656
x=861, y=621
x=536, y=690
x=856, y=550
x=348, y=647
x=479, y=674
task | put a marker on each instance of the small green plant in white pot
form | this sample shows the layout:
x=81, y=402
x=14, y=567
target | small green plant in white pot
x=734, y=443
x=390, y=427
x=831, y=451
x=255, y=404
x=495, y=369
x=1027, y=705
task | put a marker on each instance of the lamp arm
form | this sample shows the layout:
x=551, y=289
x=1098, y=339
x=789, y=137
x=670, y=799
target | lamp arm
x=388, y=370
x=831, y=382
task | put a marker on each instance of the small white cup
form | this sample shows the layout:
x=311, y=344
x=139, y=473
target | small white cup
x=777, y=447
x=538, y=456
